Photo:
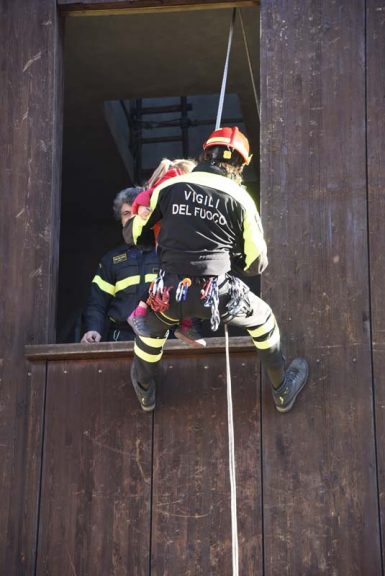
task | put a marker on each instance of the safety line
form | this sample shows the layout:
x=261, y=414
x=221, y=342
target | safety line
x=225, y=72
x=230, y=419
x=233, y=483
x=257, y=103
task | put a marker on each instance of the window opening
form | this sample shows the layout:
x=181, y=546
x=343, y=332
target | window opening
x=118, y=68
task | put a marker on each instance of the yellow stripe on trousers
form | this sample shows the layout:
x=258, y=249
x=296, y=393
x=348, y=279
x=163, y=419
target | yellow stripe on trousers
x=264, y=329
x=270, y=342
x=150, y=343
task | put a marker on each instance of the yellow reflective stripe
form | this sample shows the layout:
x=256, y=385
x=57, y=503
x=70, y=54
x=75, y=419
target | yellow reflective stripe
x=155, y=342
x=169, y=182
x=145, y=356
x=254, y=242
x=137, y=225
x=150, y=277
x=133, y=280
x=103, y=285
x=274, y=338
x=168, y=317
x=130, y=281
x=264, y=329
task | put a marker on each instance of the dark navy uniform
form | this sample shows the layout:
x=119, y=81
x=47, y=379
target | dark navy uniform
x=122, y=278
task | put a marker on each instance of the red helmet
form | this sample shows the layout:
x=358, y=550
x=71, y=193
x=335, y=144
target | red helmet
x=230, y=137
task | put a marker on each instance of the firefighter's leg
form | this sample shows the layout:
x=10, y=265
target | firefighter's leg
x=148, y=350
x=286, y=384
x=262, y=326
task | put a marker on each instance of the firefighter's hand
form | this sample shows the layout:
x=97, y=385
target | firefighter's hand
x=91, y=336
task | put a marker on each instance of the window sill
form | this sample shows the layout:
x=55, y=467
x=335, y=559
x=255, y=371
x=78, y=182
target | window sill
x=125, y=349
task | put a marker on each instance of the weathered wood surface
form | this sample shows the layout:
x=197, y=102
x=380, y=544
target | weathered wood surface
x=319, y=462
x=29, y=176
x=96, y=489
x=191, y=521
x=125, y=349
x=106, y=472
x=131, y=5
x=376, y=188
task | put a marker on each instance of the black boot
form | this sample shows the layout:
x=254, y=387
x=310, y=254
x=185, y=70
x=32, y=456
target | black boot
x=146, y=395
x=295, y=379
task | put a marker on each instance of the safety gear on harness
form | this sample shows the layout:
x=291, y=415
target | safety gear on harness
x=210, y=298
x=158, y=294
x=232, y=139
x=182, y=289
x=239, y=303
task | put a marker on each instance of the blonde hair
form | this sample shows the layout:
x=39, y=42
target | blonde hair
x=182, y=164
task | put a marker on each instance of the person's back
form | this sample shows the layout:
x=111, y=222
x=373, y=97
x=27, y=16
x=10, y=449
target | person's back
x=206, y=218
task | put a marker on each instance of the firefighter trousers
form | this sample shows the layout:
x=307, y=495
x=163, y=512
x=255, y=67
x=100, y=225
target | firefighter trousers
x=256, y=317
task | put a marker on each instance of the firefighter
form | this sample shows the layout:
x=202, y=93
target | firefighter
x=122, y=276
x=210, y=227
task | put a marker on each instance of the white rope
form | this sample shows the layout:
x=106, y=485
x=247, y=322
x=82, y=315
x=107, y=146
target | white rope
x=225, y=71
x=233, y=483
x=230, y=419
x=250, y=66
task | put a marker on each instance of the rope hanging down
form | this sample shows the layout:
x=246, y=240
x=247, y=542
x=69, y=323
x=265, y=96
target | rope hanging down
x=257, y=103
x=225, y=72
x=233, y=483
x=230, y=421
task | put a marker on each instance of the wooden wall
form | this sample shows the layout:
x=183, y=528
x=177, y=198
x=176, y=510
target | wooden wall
x=86, y=480
x=321, y=462
x=30, y=143
x=375, y=50
x=123, y=492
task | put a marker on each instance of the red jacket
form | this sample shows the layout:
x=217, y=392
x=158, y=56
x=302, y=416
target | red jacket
x=144, y=198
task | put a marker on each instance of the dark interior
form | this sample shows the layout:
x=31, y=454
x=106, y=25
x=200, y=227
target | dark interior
x=140, y=60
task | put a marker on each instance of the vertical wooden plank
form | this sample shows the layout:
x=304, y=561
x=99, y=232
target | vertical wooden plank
x=375, y=50
x=29, y=182
x=95, y=511
x=320, y=492
x=191, y=522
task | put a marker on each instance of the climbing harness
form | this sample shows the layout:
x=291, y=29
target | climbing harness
x=210, y=298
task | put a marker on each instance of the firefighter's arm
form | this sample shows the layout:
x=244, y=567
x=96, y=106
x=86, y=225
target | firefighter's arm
x=101, y=291
x=254, y=246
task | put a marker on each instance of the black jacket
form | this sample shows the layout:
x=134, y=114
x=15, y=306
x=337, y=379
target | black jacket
x=209, y=223
x=122, y=278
